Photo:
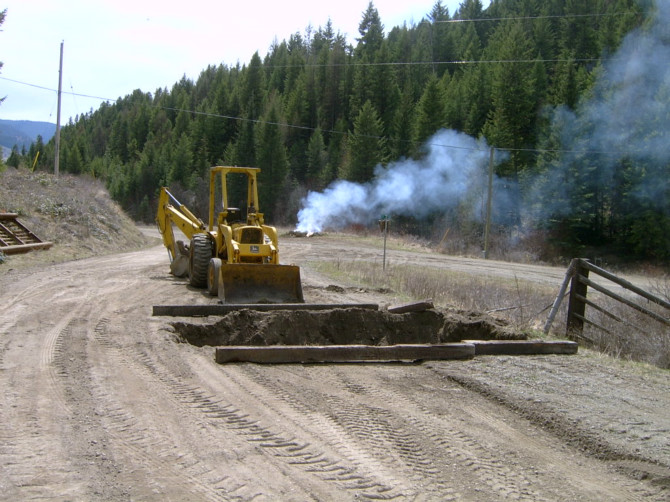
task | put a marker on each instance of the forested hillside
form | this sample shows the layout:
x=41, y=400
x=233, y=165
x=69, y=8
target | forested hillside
x=572, y=94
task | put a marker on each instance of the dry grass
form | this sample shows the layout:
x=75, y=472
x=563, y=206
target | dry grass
x=522, y=303
x=635, y=336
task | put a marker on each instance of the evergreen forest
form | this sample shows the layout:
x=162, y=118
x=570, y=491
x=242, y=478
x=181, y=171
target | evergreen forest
x=567, y=99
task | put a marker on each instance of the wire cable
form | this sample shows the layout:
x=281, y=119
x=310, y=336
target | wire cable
x=521, y=18
x=329, y=131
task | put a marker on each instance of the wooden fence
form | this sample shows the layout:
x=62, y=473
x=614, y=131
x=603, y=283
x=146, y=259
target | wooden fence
x=577, y=277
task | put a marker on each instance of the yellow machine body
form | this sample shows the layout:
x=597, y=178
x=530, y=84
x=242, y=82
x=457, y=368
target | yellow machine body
x=236, y=259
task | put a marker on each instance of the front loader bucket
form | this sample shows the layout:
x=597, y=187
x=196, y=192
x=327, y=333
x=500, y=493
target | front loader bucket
x=256, y=283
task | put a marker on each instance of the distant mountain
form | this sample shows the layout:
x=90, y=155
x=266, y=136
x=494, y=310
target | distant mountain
x=24, y=132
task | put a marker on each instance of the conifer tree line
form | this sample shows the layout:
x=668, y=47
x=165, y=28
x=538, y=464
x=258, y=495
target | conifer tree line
x=317, y=108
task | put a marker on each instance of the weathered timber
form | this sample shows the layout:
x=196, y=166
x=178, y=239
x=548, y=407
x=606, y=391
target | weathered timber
x=578, y=299
x=412, y=307
x=284, y=354
x=24, y=248
x=225, y=308
x=577, y=309
x=561, y=294
x=16, y=237
x=623, y=300
x=522, y=347
x=626, y=284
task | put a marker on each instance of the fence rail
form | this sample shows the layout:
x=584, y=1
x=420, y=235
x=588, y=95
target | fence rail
x=577, y=276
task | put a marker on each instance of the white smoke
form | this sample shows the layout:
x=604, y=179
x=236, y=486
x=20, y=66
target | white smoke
x=455, y=162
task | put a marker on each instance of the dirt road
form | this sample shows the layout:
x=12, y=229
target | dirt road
x=99, y=402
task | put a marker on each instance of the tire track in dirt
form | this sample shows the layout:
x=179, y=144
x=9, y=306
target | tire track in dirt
x=363, y=433
x=64, y=374
x=22, y=426
x=199, y=412
x=170, y=469
x=444, y=447
x=88, y=440
x=281, y=445
x=568, y=432
x=332, y=464
x=453, y=448
x=396, y=440
x=546, y=461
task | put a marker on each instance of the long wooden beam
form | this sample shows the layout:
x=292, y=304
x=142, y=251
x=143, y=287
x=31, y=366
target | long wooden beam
x=522, y=347
x=281, y=354
x=24, y=248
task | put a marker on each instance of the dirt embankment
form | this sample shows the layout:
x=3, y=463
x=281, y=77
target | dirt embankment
x=76, y=213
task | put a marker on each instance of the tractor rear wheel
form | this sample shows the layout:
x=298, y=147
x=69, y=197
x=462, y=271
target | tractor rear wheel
x=200, y=253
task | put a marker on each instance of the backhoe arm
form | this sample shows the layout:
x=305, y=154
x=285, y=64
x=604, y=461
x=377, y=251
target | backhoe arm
x=170, y=211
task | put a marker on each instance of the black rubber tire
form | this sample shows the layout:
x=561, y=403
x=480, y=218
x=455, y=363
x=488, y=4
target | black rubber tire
x=200, y=253
x=213, y=276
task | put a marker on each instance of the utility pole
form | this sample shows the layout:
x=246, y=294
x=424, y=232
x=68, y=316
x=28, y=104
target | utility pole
x=384, y=227
x=487, y=225
x=60, y=88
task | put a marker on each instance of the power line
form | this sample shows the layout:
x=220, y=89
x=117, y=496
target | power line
x=328, y=131
x=55, y=90
x=369, y=136
x=520, y=18
x=452, y=62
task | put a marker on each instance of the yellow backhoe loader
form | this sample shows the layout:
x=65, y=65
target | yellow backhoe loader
x=235, y=259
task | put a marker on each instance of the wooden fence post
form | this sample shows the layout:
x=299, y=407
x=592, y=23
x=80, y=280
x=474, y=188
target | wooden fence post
x=576, y=305
x=569, y=274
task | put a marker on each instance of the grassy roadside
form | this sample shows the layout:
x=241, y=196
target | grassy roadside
x=517, y=301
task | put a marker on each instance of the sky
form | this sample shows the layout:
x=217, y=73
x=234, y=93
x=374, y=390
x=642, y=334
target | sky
x=111, y=48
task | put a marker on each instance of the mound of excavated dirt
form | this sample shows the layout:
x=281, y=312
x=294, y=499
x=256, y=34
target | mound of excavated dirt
x=350, y=326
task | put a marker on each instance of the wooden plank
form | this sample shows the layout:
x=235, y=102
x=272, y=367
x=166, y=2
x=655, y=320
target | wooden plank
x=625, y=284
x=412, y=307
x=522, y=347
x=561, y=294
x=24, y=248
x=224, y=308
x=625, y=301
x=283, y=354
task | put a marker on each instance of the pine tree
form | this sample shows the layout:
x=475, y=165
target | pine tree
x=442, y=42
x=14, y=158
x=317, y=159
x=511, y=122
x=430, y=116
x=366, y=145
x=271, y=160
x=371, y=32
